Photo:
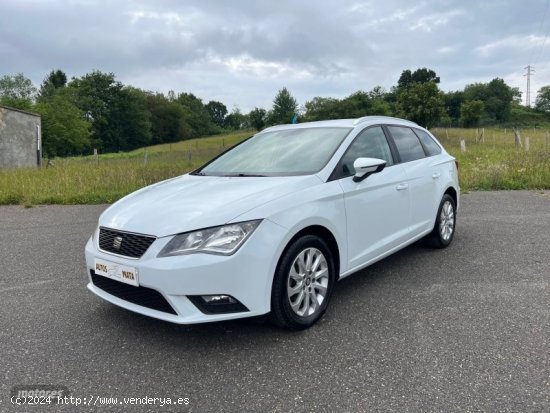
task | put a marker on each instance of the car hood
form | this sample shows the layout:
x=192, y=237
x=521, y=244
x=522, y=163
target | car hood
x=192, y=202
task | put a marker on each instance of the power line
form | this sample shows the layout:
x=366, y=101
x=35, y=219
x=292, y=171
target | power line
x=530, y=71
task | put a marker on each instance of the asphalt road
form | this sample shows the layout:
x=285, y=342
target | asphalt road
x=462, y=329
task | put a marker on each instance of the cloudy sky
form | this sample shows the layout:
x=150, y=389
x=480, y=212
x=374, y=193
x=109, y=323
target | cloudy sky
x=242, y=51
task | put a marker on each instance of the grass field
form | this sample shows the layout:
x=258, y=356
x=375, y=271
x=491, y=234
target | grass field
x=494, y=163
x=91, y=180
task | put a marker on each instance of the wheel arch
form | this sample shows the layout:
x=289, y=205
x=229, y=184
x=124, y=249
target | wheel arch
x=326, y=235
x=453, y=193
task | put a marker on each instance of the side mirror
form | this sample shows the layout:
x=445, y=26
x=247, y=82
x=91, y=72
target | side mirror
x=367, y=166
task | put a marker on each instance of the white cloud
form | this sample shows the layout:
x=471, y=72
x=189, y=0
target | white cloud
x=398, y=15
x=264, y=69
x=431, y=21
x=446, y=49
x=511, y=43
x=243, y=52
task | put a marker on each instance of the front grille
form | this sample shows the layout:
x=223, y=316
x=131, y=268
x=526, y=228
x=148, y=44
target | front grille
x=129, y=245
x=143, y=296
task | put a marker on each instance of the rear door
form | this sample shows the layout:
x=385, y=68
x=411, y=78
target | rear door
x=377, y=208
x=423, y=172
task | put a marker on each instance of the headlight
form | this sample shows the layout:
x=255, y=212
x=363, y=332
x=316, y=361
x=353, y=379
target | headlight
x=224, y=240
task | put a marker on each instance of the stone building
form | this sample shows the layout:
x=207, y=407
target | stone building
x=20, y=138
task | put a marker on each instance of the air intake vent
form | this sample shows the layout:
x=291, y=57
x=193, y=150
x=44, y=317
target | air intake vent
x=143, y=296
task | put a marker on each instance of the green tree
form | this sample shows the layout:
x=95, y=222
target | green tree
x=257, y=118
x=379, y=102
x=476, y=91
x=320, y=108
x=422, y=75
x=284, y=108
x=471, y=112
x=131, y=119
x=216, y=111
x=64, y=129
x=167, y=119
x=196, y=116
x=453, y=101
x=119, y=116
x=55, y=80
x=93, y=94
x=17, y=91
x=235, y=120
x=377, y=92
x=405, y=80
x=421, y=103
x=380, y=107
x=500, y=101
x=543, y=99
x=356, y=105
x=497, y=97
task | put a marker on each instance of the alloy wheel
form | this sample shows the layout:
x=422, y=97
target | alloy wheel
x=447, y=221
x=307, y=282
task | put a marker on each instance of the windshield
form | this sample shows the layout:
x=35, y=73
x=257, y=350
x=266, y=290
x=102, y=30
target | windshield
x=300, y=151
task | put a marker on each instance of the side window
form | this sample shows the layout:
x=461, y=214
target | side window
x=407, y=143
x=431, y=146
x=371, y=143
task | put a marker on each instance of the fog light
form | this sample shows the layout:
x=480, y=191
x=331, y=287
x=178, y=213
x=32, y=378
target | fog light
x=217, y=304
x=218, y=299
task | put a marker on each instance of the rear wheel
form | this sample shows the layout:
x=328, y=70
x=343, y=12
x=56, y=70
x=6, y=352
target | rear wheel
x=303, y=284
x=445, y=222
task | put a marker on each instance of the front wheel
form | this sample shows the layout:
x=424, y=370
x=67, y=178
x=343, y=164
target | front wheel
x=303, y=284
x=445, y=223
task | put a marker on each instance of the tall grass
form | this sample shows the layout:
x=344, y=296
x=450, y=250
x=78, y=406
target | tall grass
x=494, y=163
x=91, y=180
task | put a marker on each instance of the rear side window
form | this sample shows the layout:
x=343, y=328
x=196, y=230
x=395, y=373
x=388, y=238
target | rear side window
x=407, y=143
x=371, y=143
x=429, y=144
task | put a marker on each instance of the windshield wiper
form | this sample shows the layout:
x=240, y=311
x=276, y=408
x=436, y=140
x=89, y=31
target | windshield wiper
x=245, y=175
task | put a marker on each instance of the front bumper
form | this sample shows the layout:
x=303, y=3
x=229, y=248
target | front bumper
x=246, y=275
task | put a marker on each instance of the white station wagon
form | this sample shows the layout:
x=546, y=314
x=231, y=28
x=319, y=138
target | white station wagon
x=270, y=225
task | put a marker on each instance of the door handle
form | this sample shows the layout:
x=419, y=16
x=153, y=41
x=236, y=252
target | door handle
x=401, y=187
x=436, y=175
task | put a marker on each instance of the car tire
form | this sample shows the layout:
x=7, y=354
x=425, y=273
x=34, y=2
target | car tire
x=445, y=224
x=303, y=284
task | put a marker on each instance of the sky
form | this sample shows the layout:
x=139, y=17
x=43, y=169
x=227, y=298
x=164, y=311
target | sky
x=240, y=52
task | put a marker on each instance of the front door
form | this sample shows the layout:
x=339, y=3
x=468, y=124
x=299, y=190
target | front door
x=377, y=208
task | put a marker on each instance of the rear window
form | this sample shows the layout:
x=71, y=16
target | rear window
x=407, y=143
x=429, y=144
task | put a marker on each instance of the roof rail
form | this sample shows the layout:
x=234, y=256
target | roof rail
x=387, y=118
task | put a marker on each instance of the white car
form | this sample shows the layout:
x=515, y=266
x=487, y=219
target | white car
x=270, y=225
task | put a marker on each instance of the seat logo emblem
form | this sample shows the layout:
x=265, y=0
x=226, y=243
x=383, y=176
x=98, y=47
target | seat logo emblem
x=117, y=243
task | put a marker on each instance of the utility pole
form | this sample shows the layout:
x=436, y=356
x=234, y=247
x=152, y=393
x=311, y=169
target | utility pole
x=530, y=71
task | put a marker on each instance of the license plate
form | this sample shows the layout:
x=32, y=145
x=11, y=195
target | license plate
x=119, y=272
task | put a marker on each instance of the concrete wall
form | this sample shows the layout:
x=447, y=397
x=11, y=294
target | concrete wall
x=18, y=138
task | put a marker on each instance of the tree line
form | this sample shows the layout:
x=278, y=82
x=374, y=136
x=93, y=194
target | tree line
x=98, y=111
x=417, y=97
